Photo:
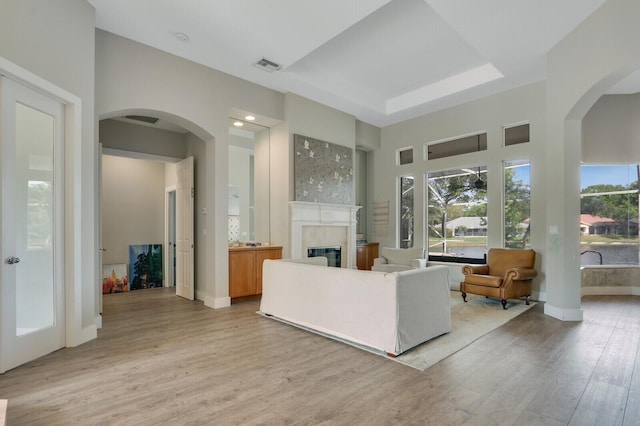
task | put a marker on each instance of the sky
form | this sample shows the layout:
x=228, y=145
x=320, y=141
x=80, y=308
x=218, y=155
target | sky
x=593, y=174
x=614, y=175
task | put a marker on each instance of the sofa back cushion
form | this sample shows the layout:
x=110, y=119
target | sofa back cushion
x=500, y=260
x=317, y=260
x=401, y=256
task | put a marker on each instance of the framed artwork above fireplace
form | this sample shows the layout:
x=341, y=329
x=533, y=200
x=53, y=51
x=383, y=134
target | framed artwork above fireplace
x=323, y=171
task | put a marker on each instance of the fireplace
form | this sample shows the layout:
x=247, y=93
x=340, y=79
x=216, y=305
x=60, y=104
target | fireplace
x=333, y=254
x=316, y=225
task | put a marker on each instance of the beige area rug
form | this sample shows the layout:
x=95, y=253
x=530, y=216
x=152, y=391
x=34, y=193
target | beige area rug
x=469, y=322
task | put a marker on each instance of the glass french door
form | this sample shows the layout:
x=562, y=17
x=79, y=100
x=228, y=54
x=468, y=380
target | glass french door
x=31, y=284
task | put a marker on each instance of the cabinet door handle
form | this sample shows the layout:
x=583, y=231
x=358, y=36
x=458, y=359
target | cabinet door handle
x=12, y=260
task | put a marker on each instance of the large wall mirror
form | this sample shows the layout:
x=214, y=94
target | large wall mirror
x=248, y=183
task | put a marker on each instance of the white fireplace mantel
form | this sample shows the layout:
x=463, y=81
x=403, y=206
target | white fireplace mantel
x=305, y=214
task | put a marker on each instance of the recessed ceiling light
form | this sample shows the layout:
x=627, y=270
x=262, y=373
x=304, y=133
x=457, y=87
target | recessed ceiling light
x=249, y=118
x=182, y=37
x=238, y=123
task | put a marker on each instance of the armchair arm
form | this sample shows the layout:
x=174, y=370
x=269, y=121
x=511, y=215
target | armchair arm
x=418, y=263
x=475, y=269
x=519, y=274
x=380, y=261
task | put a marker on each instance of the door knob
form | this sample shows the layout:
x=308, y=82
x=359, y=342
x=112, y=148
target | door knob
x=11, y=260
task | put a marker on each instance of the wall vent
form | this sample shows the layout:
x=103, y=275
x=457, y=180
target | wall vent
x=267, y=65
x=144, y=118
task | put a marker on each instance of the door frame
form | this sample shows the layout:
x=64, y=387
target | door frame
x=76, y=332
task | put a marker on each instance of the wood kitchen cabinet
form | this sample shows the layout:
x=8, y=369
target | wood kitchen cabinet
x=245, y=269
x=365, y=253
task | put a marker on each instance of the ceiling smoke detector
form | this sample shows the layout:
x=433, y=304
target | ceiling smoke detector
x=267, y=65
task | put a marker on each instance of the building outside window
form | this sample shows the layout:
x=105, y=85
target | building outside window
x=457, y=214
x=406, y=211
x=517, y=204
x=609, y=215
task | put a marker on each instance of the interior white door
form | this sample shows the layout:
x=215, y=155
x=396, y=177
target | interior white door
x=184, y=229
x=31, y=208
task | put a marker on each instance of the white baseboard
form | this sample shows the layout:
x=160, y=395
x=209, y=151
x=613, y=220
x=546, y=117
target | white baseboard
x=217, y=302
x=99, y=321
x=85, y=335
x=563, y=314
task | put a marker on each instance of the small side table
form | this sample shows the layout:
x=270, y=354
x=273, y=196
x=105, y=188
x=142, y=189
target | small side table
x=365, y=253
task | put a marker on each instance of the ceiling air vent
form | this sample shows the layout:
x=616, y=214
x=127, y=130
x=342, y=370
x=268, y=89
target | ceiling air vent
x=267, y=65
x=146, y=119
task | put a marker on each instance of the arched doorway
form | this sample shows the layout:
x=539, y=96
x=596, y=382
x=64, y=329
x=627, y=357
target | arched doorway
x=143, y=156
x=601, y=52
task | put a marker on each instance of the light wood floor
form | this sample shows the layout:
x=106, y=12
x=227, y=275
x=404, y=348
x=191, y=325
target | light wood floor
x=163, y=360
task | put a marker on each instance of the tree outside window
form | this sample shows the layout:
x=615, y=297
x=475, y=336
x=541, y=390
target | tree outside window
x=406, y=211
x=457, y=213
x=517, y=204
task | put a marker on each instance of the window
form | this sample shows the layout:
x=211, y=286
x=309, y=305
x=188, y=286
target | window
x=516, y=134
x=517, y=204
x=39, y=214
x=457, y=215
x=405, y=156
x=406, y=211
x=464, y=145
x=609, y=215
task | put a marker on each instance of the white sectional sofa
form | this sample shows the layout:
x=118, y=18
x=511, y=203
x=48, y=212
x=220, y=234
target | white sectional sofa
x=388, y=312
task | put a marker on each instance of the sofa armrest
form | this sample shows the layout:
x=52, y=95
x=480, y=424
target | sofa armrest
x=519, y=274
x=475, y=269
x=380, y=261
x=418, y=263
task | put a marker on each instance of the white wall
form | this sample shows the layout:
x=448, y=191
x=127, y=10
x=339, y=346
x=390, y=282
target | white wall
x=611, y=130
x=261, y=195
x=143, y=139
x=132, y=205
x=197, y=149
x=55, y=41
x=170, y=175
x=239, y=166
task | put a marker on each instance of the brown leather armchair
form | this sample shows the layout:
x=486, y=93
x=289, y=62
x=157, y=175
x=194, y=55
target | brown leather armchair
x=507, y=275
